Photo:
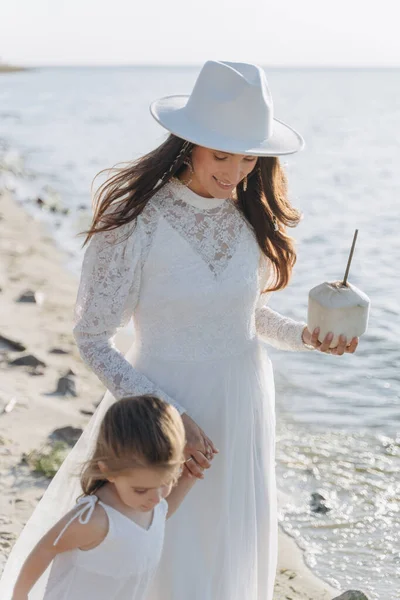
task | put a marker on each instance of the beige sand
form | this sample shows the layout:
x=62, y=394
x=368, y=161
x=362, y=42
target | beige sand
x=10, y=68
x=30, y=260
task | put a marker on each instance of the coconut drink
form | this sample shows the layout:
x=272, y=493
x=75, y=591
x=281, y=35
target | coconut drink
x=338, y=307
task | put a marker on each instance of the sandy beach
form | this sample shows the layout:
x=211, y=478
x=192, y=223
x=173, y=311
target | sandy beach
x=10, y=68
x=30, y=261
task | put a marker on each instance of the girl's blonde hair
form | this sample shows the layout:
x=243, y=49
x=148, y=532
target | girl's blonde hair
x=139, y=431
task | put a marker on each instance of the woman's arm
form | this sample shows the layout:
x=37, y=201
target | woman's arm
x=75, y=536
x=108, y=294
x=281, y=332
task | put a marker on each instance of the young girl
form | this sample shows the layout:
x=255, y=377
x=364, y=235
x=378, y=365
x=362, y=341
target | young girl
x=110, y=544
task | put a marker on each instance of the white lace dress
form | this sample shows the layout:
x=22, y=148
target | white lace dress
x=190, y=272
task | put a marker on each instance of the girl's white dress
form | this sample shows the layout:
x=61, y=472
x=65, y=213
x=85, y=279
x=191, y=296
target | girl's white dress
x=120, y=568
x=191, y=273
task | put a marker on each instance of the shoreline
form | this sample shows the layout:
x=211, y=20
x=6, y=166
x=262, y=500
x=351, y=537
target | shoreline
x=11, y=68
x=31, y=260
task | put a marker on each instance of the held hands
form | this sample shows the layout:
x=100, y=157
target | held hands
x=311, y=339
x=199, y=450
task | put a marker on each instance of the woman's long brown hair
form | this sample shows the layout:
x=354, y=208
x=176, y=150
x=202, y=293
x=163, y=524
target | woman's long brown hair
x=129, y=189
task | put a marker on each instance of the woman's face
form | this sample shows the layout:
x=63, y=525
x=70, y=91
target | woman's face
x=216, y=173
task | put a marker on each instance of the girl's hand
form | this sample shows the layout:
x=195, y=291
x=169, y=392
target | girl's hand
x=199, y=450
x=311, y=339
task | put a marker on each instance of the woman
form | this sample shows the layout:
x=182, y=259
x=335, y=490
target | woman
x=189, y=240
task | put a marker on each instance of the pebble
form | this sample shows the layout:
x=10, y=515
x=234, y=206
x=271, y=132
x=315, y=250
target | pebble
x=317, y=503
x=28, y=360
x=31, y=296
x=9, y=344
x=66, y=386
x=352, y=595
x=70, y=435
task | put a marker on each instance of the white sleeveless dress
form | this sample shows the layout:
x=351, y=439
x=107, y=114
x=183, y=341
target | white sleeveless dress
x=191, y=273
x=120, y=568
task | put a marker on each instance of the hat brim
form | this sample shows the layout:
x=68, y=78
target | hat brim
x=170, y=113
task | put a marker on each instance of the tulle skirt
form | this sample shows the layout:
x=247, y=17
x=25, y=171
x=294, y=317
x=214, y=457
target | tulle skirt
x=222, y=542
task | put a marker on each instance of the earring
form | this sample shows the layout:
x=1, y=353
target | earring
x=188, y=163
x=245, y=184
x=275, y=223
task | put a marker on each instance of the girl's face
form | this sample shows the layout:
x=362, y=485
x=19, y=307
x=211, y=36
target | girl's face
x=143, y=488
x=216, y=173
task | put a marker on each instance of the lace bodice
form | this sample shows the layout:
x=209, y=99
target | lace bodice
x=190, y=272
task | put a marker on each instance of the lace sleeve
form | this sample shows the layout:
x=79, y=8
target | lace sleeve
x=107, y=296
x=279, y=331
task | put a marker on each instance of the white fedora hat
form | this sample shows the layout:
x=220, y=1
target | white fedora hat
x=230, y=109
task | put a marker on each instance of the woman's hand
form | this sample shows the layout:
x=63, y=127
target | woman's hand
x=199, y=450
x=311, y=339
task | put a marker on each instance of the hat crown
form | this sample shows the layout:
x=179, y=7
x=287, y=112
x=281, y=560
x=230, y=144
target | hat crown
x=232, y=99
x=230, y=109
